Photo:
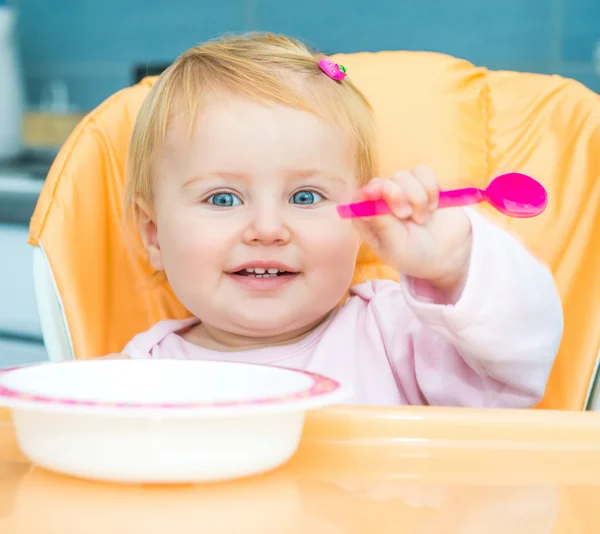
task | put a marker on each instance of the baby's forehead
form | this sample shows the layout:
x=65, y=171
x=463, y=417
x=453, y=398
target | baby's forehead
x=231, y=129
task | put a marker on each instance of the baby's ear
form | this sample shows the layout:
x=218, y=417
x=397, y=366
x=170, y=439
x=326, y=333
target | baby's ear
x=148, y=232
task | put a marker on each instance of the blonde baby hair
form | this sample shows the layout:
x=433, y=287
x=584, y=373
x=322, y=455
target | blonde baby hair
x=264, y=67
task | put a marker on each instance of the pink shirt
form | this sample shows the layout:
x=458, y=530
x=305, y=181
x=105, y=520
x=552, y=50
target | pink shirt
x=398, y=343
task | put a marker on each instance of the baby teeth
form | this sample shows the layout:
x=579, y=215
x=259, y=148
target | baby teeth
x=260, y=270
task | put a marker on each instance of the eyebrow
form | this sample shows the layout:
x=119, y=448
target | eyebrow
x=224, y=175
x=313, y=173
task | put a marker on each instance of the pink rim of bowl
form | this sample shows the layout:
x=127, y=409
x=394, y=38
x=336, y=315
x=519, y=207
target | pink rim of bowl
x=320, y=387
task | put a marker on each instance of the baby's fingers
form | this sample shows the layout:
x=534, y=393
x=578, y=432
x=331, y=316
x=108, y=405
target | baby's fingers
x=415, y=194
x=429, y=182
x=372, y=191
x=408, y=194
x=392, y=193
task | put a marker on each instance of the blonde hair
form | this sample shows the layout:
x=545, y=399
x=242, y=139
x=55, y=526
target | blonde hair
x=265, y=67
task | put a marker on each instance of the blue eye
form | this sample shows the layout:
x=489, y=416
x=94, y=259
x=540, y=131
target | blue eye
x=305, y=198
x=224, y=200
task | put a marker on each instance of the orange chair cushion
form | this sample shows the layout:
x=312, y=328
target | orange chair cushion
x=465, y=122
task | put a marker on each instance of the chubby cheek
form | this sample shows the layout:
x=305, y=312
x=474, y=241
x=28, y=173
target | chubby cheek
x=330, y=251
x=193, y=249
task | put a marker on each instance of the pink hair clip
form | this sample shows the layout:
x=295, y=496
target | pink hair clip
x=333, y=70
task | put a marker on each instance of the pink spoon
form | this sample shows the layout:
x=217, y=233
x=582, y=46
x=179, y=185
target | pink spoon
x=513, y=194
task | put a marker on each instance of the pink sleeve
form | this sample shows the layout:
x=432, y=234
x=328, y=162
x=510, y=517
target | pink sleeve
x=495, y=347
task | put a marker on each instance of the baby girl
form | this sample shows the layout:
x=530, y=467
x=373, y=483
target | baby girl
x=240, y=154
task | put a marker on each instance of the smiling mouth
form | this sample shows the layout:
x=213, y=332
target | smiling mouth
x=259, y=272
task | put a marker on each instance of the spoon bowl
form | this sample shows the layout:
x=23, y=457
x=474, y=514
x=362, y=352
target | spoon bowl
x=517, y=195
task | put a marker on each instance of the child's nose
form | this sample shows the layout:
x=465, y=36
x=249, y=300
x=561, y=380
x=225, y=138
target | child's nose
x=267, y=226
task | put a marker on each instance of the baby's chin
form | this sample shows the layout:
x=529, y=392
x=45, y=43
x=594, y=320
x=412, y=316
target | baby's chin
x=267, y=327
x=285, y=324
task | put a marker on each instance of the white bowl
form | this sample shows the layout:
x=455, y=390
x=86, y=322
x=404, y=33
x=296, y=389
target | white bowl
x=161, y=421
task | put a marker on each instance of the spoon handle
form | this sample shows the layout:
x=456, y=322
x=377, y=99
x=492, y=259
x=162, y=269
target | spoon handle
x=460, y=197
x=366, y=208
x=370, y=208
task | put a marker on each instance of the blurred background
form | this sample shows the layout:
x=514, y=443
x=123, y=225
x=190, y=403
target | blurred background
x=61, y=58
x=93, y=46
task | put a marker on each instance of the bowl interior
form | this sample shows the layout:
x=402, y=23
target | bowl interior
x=156, y=382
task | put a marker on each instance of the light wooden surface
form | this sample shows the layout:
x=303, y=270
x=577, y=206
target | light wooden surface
x=357, y=471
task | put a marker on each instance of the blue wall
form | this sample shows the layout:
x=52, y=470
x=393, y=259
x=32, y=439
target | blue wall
x=93, y=44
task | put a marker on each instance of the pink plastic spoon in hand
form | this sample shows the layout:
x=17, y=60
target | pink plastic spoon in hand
x=513, y=194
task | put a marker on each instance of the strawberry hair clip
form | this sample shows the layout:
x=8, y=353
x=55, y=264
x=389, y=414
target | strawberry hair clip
x=333, y=70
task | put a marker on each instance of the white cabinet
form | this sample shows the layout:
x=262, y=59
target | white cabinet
x=20, y=332
x=14, y=352
x=18, y=313
x=21, y=181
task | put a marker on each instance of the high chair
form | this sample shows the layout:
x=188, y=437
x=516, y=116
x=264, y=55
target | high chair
x=95, y=290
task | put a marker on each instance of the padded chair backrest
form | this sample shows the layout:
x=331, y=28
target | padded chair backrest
x=467, y=123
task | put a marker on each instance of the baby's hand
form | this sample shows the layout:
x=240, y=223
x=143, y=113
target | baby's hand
x=418, y=240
